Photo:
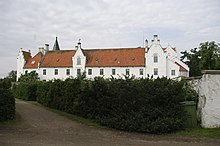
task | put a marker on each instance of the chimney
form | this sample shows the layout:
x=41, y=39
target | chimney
x=46, y=47
x=79, y=44
x=42, y=50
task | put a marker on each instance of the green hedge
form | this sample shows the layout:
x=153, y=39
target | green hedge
x=7, y=103
x=26, y=91
x=142, y=105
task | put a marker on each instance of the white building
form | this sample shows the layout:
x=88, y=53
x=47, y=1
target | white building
x=139, y=62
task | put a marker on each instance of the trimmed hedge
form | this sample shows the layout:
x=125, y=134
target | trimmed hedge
x=26, y=91
x=7, y=103
x=141, y=105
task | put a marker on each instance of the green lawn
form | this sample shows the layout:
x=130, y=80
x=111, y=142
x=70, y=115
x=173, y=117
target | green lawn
x=200, y=133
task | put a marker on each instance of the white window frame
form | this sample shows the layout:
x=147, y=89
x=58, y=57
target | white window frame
x=101, y=72
x=156, y=72
x=155, y=58
x=78, y=61
x=173, y=72
x=67, y=71
x=90, y=71
x=56, y=71
x=141, y=71
x=127, y=71
x=44, y=72
x=78, y=72
x=113, y=71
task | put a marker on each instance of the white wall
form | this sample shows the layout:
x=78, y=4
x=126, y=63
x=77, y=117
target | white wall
x=172, y=66
x=208, y=88
x=161, y=64
x=20, y=64
x=51, y=76
x=78, y=54
x=120, y=72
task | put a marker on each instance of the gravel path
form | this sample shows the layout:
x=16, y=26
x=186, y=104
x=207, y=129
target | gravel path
x=40, y=127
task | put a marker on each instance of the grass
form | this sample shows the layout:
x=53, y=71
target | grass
x=200, y=133
x=15, y=121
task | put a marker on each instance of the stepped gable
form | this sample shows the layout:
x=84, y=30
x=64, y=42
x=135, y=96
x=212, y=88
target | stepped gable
x=33, y=62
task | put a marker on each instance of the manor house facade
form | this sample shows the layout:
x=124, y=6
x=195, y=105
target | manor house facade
x=153, y=60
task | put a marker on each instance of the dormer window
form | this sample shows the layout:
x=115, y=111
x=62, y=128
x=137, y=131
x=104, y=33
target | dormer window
x=155, y=58
x=78, y=61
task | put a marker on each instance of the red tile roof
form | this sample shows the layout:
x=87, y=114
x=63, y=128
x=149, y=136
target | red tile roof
x=94, y=58
x=115, y=57
x=33, y=62
x=182, y=69
x=59, y=58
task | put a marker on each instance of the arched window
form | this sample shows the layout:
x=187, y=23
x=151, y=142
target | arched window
x=78, y=61
x=155, y=58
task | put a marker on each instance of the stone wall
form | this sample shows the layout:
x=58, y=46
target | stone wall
x=208, y=88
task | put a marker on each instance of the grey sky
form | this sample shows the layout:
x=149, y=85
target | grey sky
x=29, y=24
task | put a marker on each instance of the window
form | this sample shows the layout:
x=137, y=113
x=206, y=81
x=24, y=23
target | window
x=172, y=72
x=44, y=71
x=78, y=72
x=56, y=72
x=78, y=61
x=113, y=72
x=155, y=58
x=141, y=71
x=155, y=71
x=101, y=71
x=127, y=71
x=68, y=71
x=89, y=71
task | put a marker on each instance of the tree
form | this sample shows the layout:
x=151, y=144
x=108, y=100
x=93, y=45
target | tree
x=207, y=57
x=29, y=77
x=12, y=75
x=192, y=60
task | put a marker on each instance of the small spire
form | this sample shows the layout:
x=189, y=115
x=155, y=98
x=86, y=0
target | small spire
x=56, y=45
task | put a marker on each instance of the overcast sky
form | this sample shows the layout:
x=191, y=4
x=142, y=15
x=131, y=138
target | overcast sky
x=29, y=24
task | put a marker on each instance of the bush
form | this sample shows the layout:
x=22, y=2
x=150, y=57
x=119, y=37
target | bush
x=134, y=105
x=7, y=103
x=26, y=91
x=141, y=105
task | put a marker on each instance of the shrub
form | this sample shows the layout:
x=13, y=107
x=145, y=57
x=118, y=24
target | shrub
x=7, y=103
x=25, y=91
x=141, y=105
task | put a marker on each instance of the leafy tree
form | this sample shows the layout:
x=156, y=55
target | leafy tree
x=12, y=75
x=29, y=77
x=192, y=60
x=206, y=57
x=209, y=52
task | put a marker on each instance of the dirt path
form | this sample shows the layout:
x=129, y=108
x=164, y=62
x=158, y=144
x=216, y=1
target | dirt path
x=40, y=127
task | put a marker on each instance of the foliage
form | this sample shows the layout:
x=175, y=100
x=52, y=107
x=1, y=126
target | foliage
x=29, y=77
x=210, y=54
x=12, y=75
x=143, y=105
x=7, y=103
x=207, y=57
x=25, y=91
